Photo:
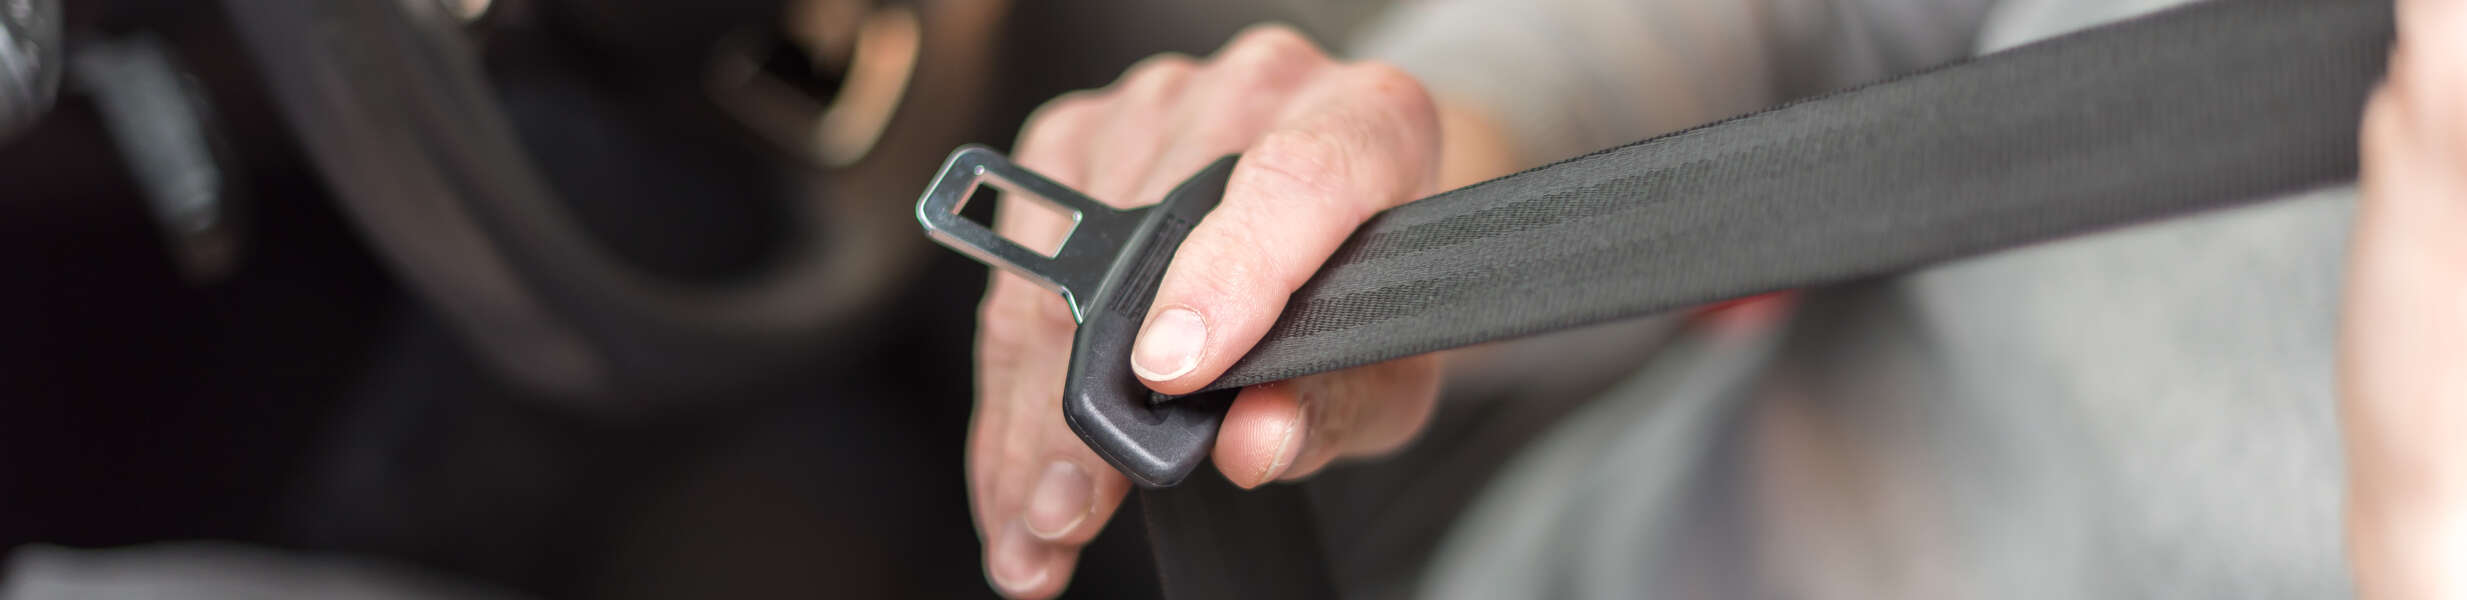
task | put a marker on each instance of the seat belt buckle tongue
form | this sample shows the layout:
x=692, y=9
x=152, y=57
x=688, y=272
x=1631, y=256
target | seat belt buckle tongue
x=1107, y=269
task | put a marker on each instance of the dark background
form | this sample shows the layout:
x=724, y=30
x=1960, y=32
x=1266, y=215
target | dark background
x=307, y=401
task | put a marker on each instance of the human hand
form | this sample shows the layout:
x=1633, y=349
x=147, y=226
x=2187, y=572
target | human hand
x=2403, y=340
x=1324, y=145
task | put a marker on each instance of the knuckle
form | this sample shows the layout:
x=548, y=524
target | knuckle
x=1278, y=37
x=1056, y=120
x=1168, y=65
x=1216, y=137
x=1235, y=279
x=1402, y=123
x=1400, y=109
x=1390, y=83
x=1063, y=109
x=1298, y=164
x=1154, y=81
x=1217, y=265
x=1269, y=47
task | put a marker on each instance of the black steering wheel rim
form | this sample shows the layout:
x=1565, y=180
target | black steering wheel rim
x=392, y=104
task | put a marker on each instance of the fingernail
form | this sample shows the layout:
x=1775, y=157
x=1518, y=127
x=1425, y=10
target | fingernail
x=1169, y=346
x=1061, y=500
x=1016, y=564
x=1288, y=448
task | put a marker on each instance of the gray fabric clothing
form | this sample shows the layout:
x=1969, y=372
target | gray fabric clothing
x=2144, y=413
x=210, y=570
x=2140, y=413
x=1572, y=76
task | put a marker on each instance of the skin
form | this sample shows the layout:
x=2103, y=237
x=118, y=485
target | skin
x=2403, y=340
x=1325, y=144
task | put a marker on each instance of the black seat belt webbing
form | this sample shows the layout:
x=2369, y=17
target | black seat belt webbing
x=2191, y=109
x=1259, y=543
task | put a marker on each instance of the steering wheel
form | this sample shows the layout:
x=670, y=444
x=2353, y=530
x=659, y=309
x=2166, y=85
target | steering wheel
x=390, y=101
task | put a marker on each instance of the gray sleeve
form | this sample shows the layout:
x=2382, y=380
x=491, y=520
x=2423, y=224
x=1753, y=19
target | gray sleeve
x=1566, y=77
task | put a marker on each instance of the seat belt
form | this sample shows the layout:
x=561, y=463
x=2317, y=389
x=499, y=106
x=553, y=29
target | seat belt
x=2200, y=107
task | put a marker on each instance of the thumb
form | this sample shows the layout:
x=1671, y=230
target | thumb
x=1356, y=142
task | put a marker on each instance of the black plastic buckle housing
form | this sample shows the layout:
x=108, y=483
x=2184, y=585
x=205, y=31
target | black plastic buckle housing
x=1108, y=271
